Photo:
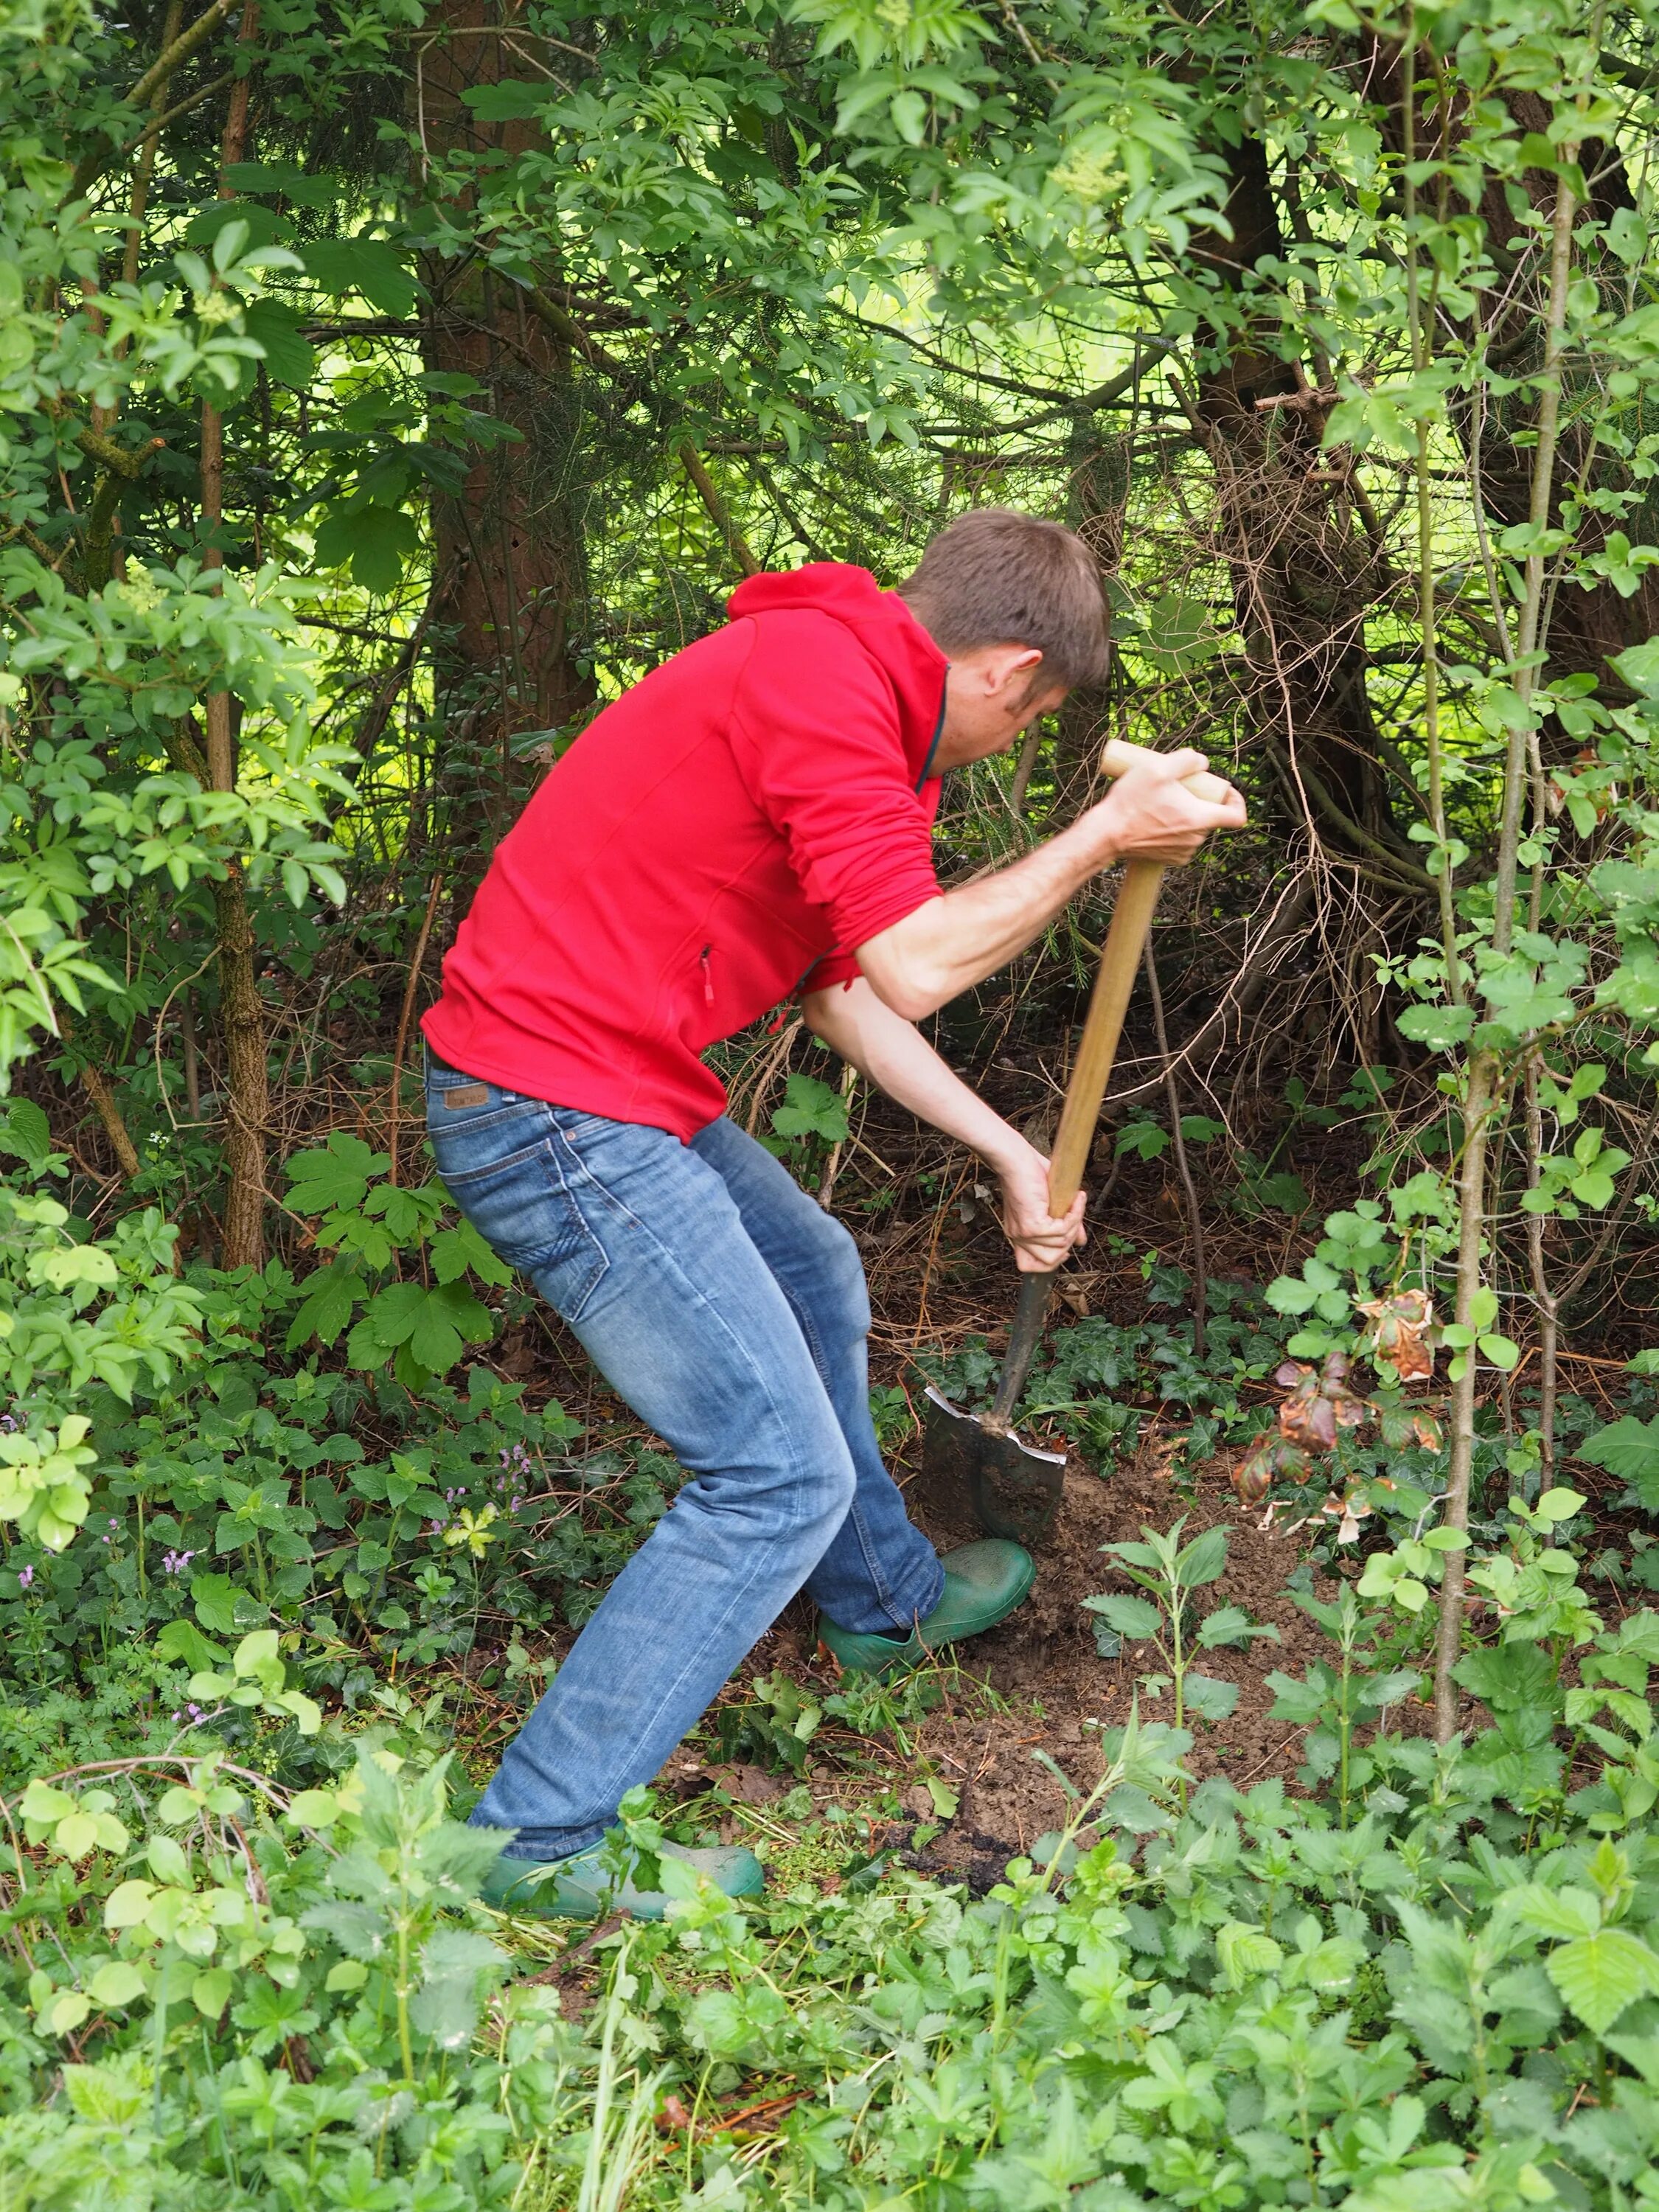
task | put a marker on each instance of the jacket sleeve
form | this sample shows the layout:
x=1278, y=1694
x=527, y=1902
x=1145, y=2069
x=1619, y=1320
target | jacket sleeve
x=815, y=726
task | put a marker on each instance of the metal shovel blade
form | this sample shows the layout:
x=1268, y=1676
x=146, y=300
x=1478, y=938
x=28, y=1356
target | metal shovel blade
x=1014, y=1489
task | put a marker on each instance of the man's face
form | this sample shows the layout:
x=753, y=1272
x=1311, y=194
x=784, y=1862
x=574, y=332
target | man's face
x=992, y=694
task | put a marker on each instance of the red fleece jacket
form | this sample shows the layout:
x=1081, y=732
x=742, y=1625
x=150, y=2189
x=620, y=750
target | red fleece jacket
x=757, y=803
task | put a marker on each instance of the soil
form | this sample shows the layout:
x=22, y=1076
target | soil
x=1054, y=1692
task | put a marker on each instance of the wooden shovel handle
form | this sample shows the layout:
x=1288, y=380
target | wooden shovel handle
x=1120, y=962
x=1091, y=1070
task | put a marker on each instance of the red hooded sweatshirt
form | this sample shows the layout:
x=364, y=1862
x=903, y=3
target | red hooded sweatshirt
x=760, y=802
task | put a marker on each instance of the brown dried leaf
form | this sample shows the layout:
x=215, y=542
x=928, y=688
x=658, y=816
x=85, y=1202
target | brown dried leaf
x=1400, y=1327
x=1307, y=1418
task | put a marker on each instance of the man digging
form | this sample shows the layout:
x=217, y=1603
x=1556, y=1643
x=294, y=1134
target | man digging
x=753, y=821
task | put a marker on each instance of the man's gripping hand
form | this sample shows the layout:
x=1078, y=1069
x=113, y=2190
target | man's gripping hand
x=1041, y=1241
x=1149, y=814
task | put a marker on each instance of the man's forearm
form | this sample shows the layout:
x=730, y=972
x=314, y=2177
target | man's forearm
x=955, y=941
x=898, y=1059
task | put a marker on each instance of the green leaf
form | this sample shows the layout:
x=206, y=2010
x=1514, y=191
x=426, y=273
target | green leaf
x=182, y=1640
x=221, y=1606
x=1567, y=1913
x=261, y=226
x=337, y=1174
x=1209, y=1698
x=209, y=1992
x=1246, y=1952
x=24, y=1132
x=331, y=1299
x=1203, y=1560
x=274, y=326
x=116, y=1983
x=375, y=540
x=1639, y=667
x=1300, y=1703
x=1178, y=635
x=368, y=265
x=1629, y=1449
x=811, y=1108
x=1440, y=1028
x=1134, y=1617
x=461, y=1251
x=510, y=101
x=1601, y=1975
x=167, y=1861
x=1231, y=1625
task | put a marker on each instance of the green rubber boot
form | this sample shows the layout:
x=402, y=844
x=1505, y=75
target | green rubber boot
x=983, y=1583
x=598, y=1880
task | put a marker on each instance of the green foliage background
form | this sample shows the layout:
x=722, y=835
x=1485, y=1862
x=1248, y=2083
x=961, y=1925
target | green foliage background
x=381, y=389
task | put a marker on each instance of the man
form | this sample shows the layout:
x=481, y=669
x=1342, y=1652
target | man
x=754, y=820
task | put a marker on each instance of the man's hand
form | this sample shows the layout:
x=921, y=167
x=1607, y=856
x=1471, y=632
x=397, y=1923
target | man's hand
x=1150, y=815
x=1040, y=1240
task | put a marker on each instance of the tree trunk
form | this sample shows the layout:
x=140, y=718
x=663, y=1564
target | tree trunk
x=242, y=1023
x=1305, y=571
x=508, y=546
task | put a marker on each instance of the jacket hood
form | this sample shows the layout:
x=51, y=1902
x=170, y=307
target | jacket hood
x=884, y=626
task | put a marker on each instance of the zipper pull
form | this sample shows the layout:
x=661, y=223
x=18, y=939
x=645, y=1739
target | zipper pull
x=708, y=975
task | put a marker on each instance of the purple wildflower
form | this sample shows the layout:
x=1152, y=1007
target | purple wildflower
x=25, y=1576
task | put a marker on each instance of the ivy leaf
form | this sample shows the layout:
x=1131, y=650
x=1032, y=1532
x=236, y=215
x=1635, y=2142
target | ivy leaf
x=1601, y=1975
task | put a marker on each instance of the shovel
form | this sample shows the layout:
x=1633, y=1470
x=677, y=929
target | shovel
x=1015, y=1489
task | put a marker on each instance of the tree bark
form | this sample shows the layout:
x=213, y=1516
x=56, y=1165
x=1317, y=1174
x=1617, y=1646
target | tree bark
x=1305, y=571
x=509, y=545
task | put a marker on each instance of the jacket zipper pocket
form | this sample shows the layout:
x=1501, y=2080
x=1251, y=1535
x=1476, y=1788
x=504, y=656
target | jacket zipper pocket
x=707, y=975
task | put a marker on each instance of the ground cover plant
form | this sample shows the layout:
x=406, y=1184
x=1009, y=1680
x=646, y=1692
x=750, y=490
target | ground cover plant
x=381, y=390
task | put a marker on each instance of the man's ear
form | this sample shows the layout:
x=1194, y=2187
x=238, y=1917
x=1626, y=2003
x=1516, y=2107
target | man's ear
x=1012, y=671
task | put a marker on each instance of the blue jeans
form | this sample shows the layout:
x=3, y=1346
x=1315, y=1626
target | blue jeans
x=730, y=1311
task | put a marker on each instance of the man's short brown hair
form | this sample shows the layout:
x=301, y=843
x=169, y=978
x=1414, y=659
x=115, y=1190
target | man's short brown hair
x=995, y=577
